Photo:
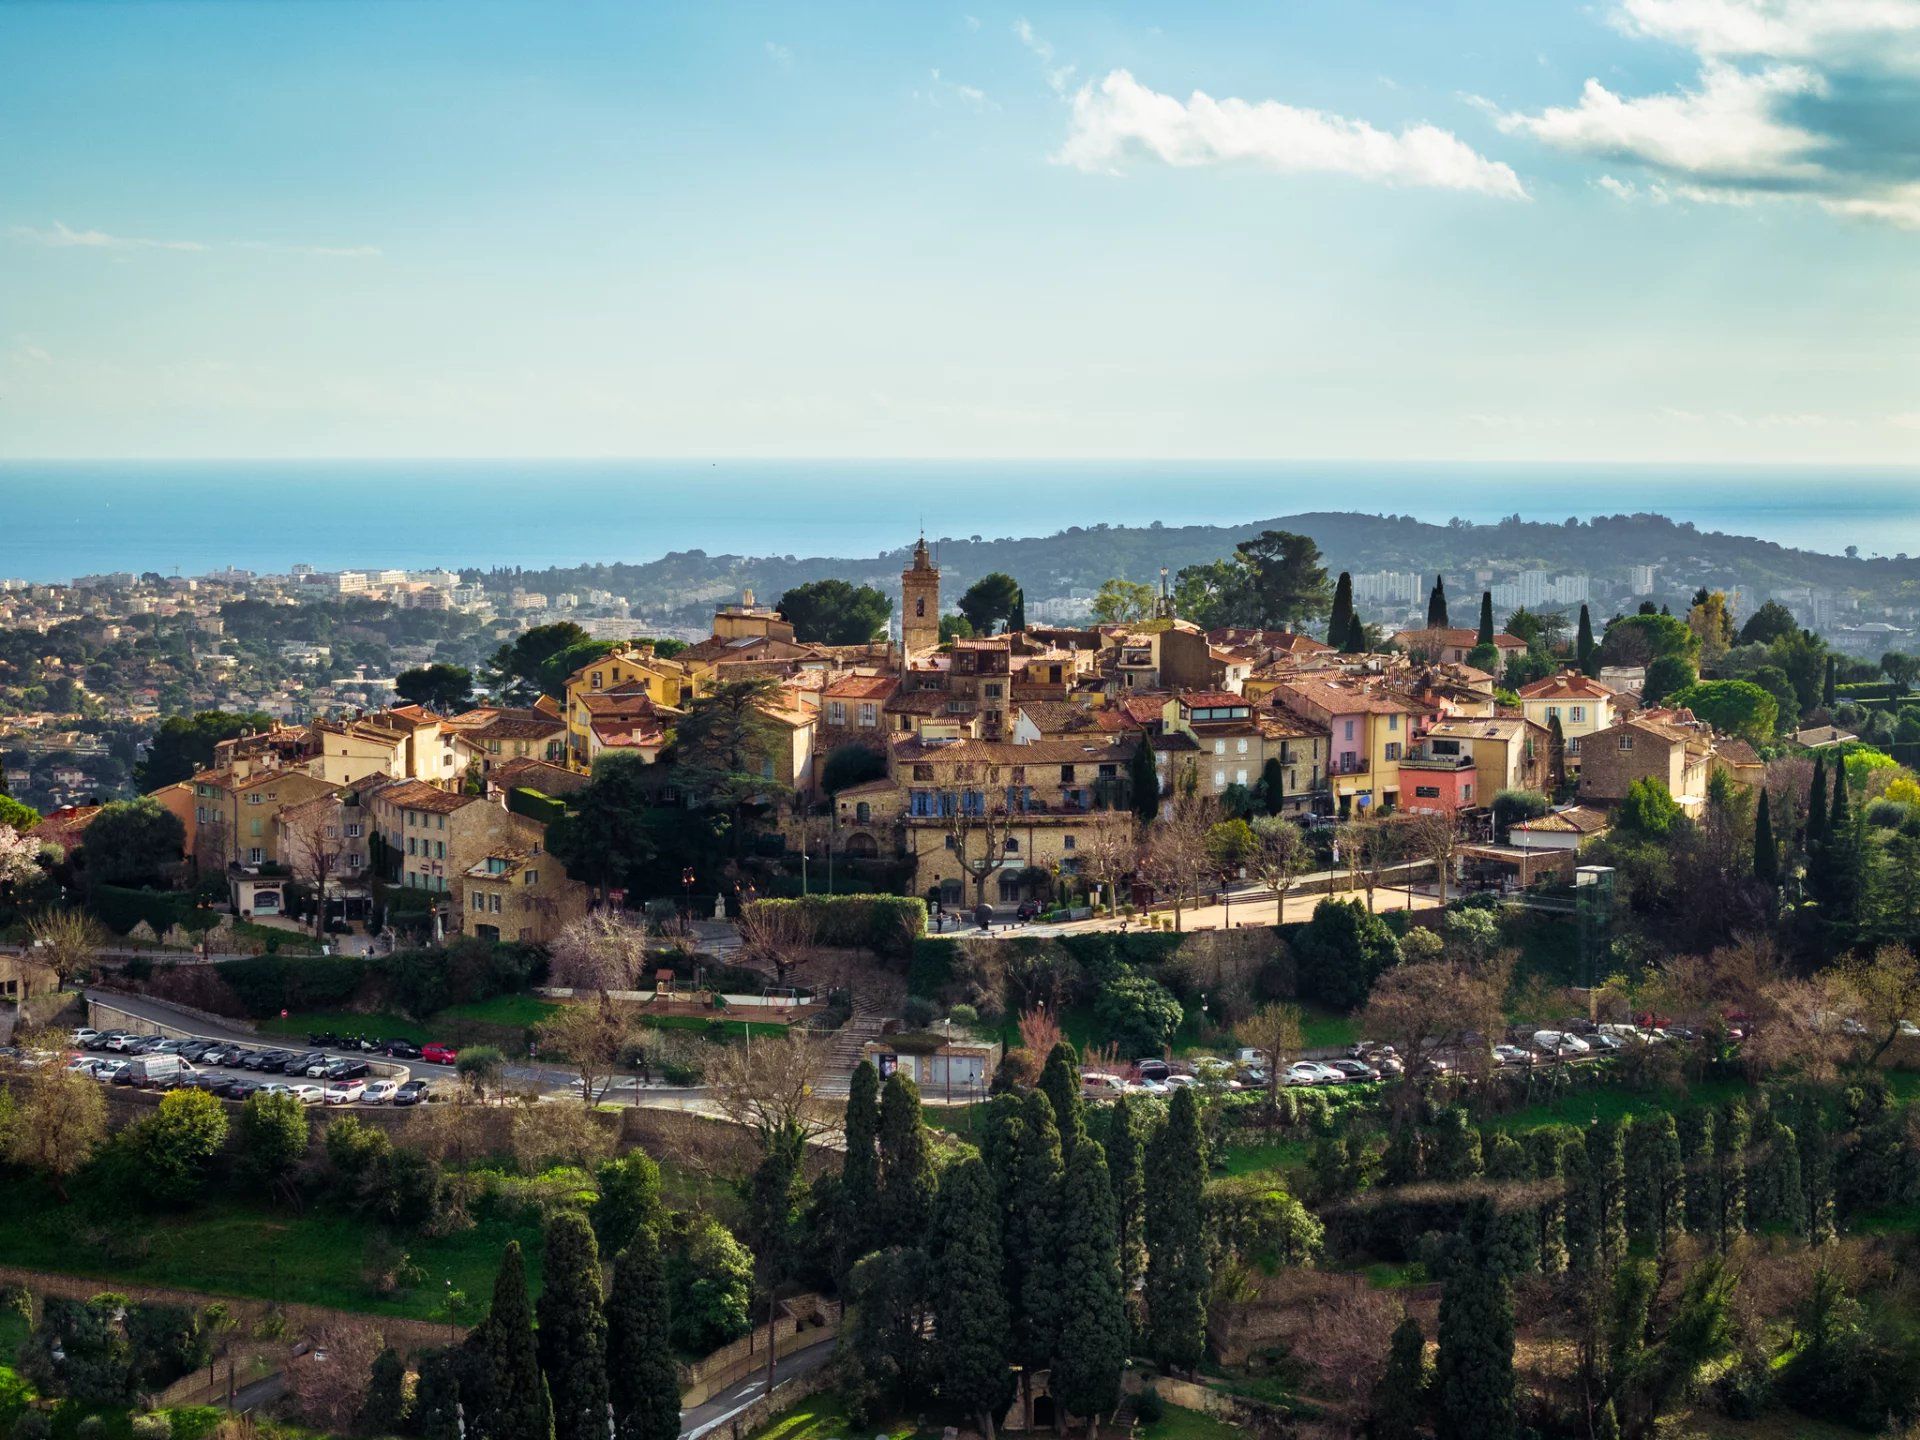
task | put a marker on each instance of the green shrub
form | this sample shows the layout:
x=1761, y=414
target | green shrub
x=535, y=805
x=888, y=925
x=120, y=908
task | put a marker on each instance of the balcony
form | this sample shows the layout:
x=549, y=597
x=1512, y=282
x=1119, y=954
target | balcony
x=1348, y=765
x=1425, y=760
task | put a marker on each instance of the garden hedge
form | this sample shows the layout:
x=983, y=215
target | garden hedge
x=888, y=925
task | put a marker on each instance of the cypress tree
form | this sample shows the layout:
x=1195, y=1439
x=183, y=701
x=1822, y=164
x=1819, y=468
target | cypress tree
x=1060, y=1083
x=1144, y=780
x=860, y=1170
x=1845, y=866
x=517, y=1407
x=1667, y=1178
x=1178, y=1273
x=1583, y=1229
x=969, y=1299
x=1606, y=1425
x=1486, y=618
x=1817, y=803
x=1543, y=1152
x=1778, y=1200
x=1405, y=1162
x=1457, y=1154
x=1092, y=1349
x=1126, y=1169
x=1342, y=618
x=1735, y=1135
x=1356, y=641
x=1398, y=1406
x=1585, y=656
x=1556, y=757
x=1703, y=1173
x=1606, y=1156
x=1766, y=855
x=1437, y=604
x=1031, y=1231
x=906, y=1165
x=1517, y=1232
x=1273, y=786
x=1816, y=1170
x=384, y=1411
x=1826, y=683
x=642, y=1381
x=1017, y=618
x=433, y=1415
x=573, y=1329
x=1473, y=1379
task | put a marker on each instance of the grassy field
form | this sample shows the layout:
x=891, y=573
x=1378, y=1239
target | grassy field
x=232, y=1248
x=1250, y=1157
x=824, y=1417
x=525, y=1011
x=700, y=1022
x=1612, y=1102
x=1176, y=1423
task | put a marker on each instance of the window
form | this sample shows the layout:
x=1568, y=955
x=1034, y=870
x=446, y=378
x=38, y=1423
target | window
x=1553, y=712
x=1066, y=774
x=532, y=878
x=256, y=855
x=355, y=860
x=1573, y=746
x=836, y=712
x=923, y=772
x=1012, y=847
x=1239, y=777
x=439, y=849
x=254, y=827
x=596, y=679
x=479, y=901
x=1349, y=729
x=1392, y=750
x=1579, y=712
x=353, y=832
x=410, y=845
x=1068, y=843
x=493, y=904
x=1466, y=791
x=1219, y=779
x=993, y=692
x=439, y=822
x=254, y=799
x=869, y=714
x=862, y=813
x=1427, y=792
x=920, y=607
x=1240, y=747
x=1626, y=742
x=1393, y=722
x=766, y=768
x=1219, y=747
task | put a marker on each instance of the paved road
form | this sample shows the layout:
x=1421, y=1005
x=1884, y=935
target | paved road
x=713, y=1418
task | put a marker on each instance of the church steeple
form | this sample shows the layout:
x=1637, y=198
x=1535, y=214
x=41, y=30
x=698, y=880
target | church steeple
x=920, y=604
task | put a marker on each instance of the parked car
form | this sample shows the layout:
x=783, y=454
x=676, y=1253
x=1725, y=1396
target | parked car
x=102, y=1040
x=1559, y=1043
x=379, y=1092
x=316, y=1065
x=1353, y=1069
x=274, y=1087
x=1099, y=1085
x=106, y=1069
x=348, y=1070
x=308, y=1094
x=1151, y=1069
x=1307, y=1072
x=403, y=1050
x=81, y=1036
x=414, y=1092
x=264, y=1060
x=1601, y=1042
x=1148, y=1087
x=435, y=1053
x=83, y=1065
x=345, y=1092
x=149, y=1071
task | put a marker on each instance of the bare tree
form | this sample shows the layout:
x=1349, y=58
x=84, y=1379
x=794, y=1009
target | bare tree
x=1108, y=848
x=1283, y=857
x=1177, y=856
x=1886, y=994
x=1435, y=836
x=329, y=1385
x=768, y=1087
x=1431, y=1006
x=977, y=834
x=310, y=841
x=591, y=1037
x=1273, y=1030
x=777, y=935
x=600, y=952
x=65, y=942
x=1366, y=849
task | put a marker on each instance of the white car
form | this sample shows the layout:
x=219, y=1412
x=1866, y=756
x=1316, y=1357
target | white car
x=274, y=1090
x=308, y=1094
x=1559, y=1042
x=379, y=1092
x=107, y=1069
x=1148, y=1087
x=81, y=1036
x=1311, y=1072
x=345, y=1092
x=82, y=1064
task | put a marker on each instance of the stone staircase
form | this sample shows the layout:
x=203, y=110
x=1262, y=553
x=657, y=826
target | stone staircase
x=872, y=1008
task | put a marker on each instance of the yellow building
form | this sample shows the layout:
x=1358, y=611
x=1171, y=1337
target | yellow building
x=667, y=683
x=1580, y=703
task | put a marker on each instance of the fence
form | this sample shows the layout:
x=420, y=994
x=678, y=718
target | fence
x=807, y=1320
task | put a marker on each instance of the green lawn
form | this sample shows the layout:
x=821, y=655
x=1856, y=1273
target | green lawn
x=824, y=1417
x=525, y=1011
x=1176, y=1423
x=1326, y=1029
x=1612, y=1102
x=1250, y=1157
x=231, y=1248
x=700, y=1022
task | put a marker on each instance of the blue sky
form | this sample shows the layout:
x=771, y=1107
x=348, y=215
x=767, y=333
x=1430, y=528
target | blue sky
x=1513, y=229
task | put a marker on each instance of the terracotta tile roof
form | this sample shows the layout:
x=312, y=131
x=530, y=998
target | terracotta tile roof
x=1566, y=685
x=538, y=775
x=928, y=702
x=517, y=727
x=1048, y=750
x=1576, y=820
x=1338, y=699
x=418, y=795
x=862, y=687
x=1498, y=727
x=1737, y=752
x=1144, y=707
x=1464, y=639
x=1056, y=717
x=1213, y=700
x=609, y=703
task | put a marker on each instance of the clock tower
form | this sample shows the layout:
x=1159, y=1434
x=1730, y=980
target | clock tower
x=919, y=605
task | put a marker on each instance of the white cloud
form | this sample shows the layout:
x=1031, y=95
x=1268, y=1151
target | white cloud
x=971, y=95
x=1780, y=29
x=779, y=54
x=1728, y=128
x=60, y=236
x=1896, y=205
x=1058, y=76
x=1120, y=117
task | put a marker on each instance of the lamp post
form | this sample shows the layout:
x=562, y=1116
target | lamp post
x=686, y=893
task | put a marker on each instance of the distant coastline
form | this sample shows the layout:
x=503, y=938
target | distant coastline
x=63, y=518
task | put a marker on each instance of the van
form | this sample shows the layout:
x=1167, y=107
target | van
x=156, y=1069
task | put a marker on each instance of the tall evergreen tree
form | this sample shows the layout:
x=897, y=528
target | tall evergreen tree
x=1845, y=864
x=1342, y=618
x=1606, y=1155
x=1356, y=641
x=1656, y=1188
x=1586, y=655
x=1816, y=808
x=1485, y=636
x=384, y=1412
x=1017, y=620
x=1092, y=1349
x=1030, y=1227
x=1777, y=1198
x=1734, y=1137
x=643, y=1383
x=1543, y=1150
x=775, y=1195
x=1583, y=1229
x=1826, y=683
x=1556, y=756
x=969, y=1299
x=1456, y=1152
x=1703, y=1173
x=906, y=1165
x=1126, y=1168
x=1144, y=781
x=1178, y=1274
x=1473, y=1378
x=1273, y=786
x=517, y=1407
x=1517, y=1231
x=860, y=1169
x=1437, y=604
x=573, y=1329
x=1398, y=1406
x=1766, y=853
x=1060, y=1083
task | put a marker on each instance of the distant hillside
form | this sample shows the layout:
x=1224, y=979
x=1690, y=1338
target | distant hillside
x=683, y=586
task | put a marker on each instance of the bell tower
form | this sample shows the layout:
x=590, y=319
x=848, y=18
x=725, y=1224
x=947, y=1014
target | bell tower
x=920, y=604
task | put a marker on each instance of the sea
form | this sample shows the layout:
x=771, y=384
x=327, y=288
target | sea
x=61, y=519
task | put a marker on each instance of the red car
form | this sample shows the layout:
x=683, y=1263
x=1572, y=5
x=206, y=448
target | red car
x=438, y=1054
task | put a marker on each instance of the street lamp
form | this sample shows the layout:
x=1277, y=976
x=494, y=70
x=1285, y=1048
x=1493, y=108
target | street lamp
x=686, y=892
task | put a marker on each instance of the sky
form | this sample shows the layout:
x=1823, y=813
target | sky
x=1673, y=230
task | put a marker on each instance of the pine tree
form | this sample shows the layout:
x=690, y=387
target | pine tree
x=1486, y=618
x=1126, y=1169
x=1656, y=1192
x=1606, y=1156
x=643, y=1382
x=1398, y=1406
x=1735, y=1135
x=517, y=1407
x=1144, y=780
x=1030, y=1227
x=1766, y=854
x=860, y=1170
x=906, y=1165
x=573, y=1329
x=1703, y=1173
x=1543, y=1151
x=1473, y=1379
x=969, y=1298
x=1583, y=1229
x=1060, y=1083
x=1356, y=641
x=1585, y=655
x=1606, y=1425
x=1092, y=1348
x=1517, y=1231
x=1342, y=617
x=1178, y=1275
x=1437, y=604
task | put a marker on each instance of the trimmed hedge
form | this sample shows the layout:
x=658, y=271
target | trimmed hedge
x=1868, y=690
x=888, y=925
x=416, y=982
x=120, y=908
x=535, y=804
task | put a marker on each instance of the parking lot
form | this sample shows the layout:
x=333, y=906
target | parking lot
x=233, y=1070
